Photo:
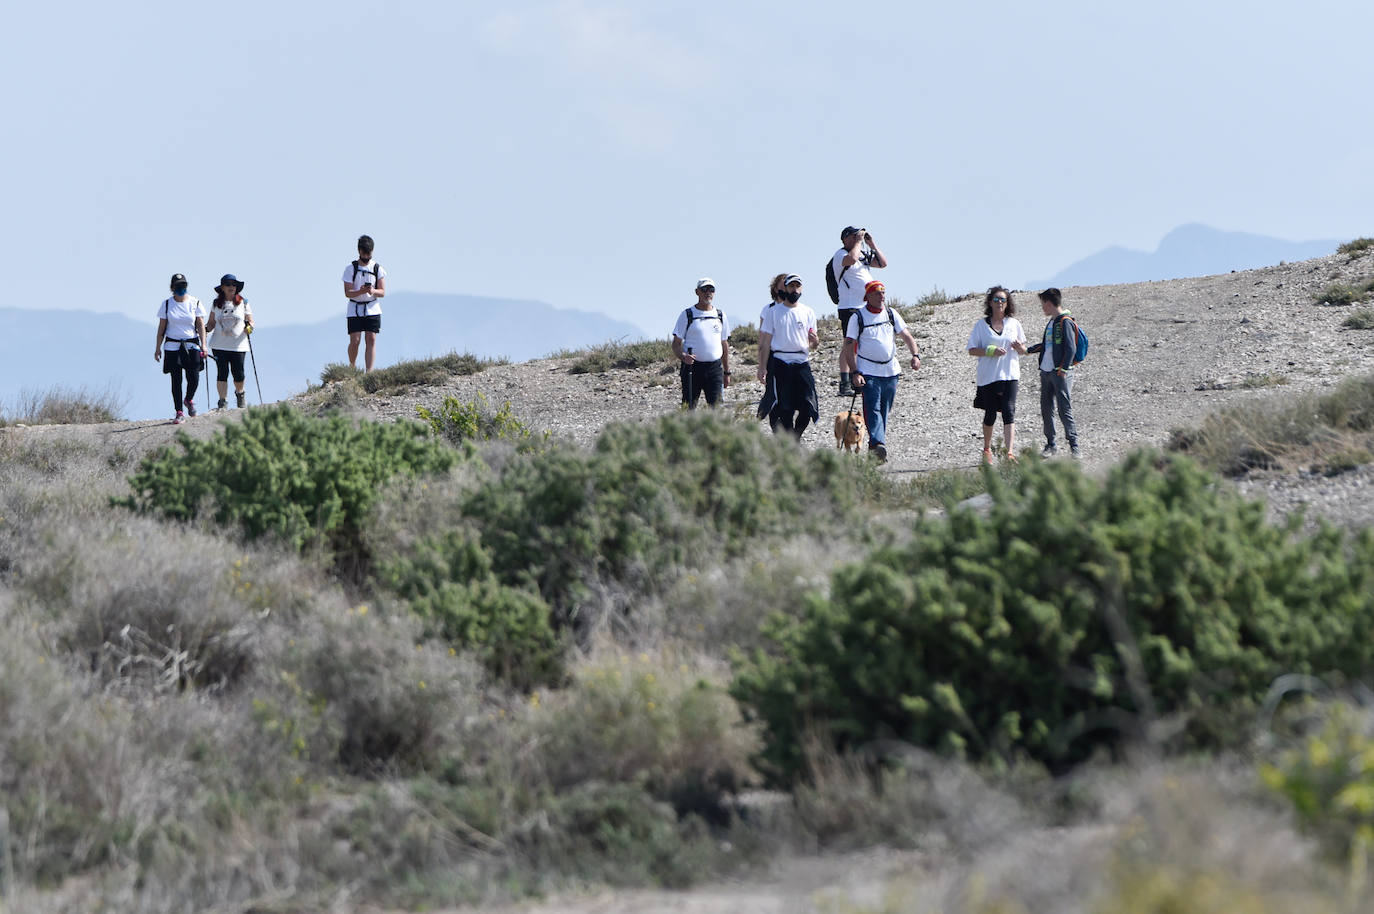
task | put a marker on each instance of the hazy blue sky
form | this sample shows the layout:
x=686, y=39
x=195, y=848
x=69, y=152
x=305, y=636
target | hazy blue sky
x=602, y=155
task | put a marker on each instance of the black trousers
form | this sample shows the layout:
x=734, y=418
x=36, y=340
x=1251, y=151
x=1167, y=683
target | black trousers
x=702, y=378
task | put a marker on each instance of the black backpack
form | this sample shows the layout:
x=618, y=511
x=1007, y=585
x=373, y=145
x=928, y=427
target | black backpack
x=862, y=327
x=716, y=314
x=832, y=282
x=374, y=267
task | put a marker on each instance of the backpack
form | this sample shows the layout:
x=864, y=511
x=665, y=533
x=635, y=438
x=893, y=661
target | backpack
x=1081, y=351
x=718, y=315
x=832, y=282
x=862, y=327
x=374, y=267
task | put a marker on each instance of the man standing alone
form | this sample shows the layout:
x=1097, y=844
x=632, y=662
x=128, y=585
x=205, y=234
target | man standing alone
x=701, y=343
x=858, y=254
x=364, y=286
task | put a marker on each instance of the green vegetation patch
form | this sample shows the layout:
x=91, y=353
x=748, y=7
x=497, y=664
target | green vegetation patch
x=1358, y=246
x=1362, y=319
x=1313, y=431
x=64, y=406
x=307, y=481
x=1339, y=293
x=413, y=373
x=616, y=355
x=1067, y=617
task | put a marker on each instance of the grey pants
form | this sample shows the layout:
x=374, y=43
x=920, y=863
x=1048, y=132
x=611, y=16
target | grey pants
x=1056, y=390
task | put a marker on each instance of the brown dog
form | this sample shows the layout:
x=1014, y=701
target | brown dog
x=849, y=429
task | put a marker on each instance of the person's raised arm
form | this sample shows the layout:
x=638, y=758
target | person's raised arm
x=879, y=259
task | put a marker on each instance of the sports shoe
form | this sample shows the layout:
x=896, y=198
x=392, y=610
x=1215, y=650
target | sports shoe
x=190, y=408
x=879, y=451
x=178, y=418
x=239, y=399
x=222, y=403
x=846, y=390
x=1049, y=451
x=1075, y=453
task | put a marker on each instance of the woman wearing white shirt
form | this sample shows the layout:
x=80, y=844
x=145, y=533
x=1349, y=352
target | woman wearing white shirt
x=181, y=338
x=231, y=320
x=995, y=342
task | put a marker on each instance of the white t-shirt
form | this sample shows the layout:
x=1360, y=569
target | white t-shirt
x=791, y=327
x=1007, y=367
x=360, y=305
x=702, y=337
x=875, y=350
x=853, y=280
x=181, y=320
x=231, y=322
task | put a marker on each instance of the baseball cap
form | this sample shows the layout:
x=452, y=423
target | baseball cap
x=874, y=286
x=705, y=281
x=791, y=278
x=849, y=230
x=177, y=280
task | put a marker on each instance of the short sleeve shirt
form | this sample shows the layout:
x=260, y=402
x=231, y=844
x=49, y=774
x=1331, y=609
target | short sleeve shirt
x=231, y=325
x=181, y=320
x=852, y=280
x=360, y=305
x=875, y=349
x=1002, y=368
x=791, y=327
x=702, y=332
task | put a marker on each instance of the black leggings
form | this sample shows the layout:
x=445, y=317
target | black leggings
x=795, y=421
x=192, y=385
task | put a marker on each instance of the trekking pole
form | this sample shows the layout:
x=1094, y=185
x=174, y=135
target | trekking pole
x=691, y=384
x=205, y=370
x=254, y=359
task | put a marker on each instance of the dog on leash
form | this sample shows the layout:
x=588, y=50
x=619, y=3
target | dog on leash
x=849, y=429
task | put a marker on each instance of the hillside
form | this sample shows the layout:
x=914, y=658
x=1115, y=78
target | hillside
x=516, y=681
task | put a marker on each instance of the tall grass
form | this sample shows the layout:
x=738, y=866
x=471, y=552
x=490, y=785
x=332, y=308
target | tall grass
x=64, y=406
x=412, y=373
x=616, y=354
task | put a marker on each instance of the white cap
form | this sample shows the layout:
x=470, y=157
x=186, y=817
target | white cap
x=791, y=278
x=705, y=281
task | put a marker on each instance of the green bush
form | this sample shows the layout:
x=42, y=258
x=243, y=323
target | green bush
x=308, y=481
x=1063, y=619
x=1358, y=246
x=447, y=581
x=649, y=498
x=410, y=373
x=1339, y=293
x=745, y=336
x=459, y=422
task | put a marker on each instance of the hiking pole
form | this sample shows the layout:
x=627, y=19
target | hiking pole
x=254, y=359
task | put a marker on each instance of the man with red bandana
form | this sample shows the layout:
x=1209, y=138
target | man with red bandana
x=870, y=354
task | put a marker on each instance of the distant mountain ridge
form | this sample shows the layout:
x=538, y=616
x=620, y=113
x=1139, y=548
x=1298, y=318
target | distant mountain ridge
x=74, y=349
x=1189, y=250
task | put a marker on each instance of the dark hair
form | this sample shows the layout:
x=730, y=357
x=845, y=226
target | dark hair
x=775, y=287
x=987, y=302
x=1053, y=296
x=365, y=243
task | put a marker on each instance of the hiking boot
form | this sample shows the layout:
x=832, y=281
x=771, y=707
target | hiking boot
x=178, y=418
x=222, y=403
x=239, y=399
x=1075, y=453
x=1049, y=451
x=846, y=389
x=190, y=408
x=879, y=451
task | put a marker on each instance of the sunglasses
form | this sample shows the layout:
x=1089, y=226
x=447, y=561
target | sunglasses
x=998, y=298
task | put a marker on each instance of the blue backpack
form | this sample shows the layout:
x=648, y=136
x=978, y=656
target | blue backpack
x=1081, y=351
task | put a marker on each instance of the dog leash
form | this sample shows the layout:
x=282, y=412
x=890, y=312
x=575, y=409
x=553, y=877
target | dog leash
x=849, y=423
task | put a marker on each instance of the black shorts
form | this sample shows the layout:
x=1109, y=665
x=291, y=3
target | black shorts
x=845, y=314
x=371, y=324
x=186, y=358
x=225, y=360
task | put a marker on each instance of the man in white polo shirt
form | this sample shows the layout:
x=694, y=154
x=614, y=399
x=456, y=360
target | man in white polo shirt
x=701, y=343
x=787, y=334
x=364, y=286
x=858, y=254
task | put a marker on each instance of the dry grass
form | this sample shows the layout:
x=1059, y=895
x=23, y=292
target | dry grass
x=412, y=373
x=63, y=406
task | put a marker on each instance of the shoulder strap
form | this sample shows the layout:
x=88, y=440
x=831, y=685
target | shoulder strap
x=355, y=272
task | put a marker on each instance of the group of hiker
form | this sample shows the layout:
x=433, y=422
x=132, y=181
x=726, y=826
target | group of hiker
x=869, y=365
x=184, y=323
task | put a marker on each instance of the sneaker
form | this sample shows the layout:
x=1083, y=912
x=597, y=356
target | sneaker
x=1049, y=451
x=190, y=408
x=239, y=399
x=222, y=403
x=1075, y=453
x=178, y=418
x=879, y=451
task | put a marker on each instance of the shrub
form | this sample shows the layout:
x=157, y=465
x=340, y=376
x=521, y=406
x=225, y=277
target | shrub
x=744, y=337
x=1358, y=246
x=932, y=299
x=670, y=730
x=447, y=581
x=411, y=373
x=308, y=481
x=1362, y=319
x=617, y=354
x=1338, y=293
x=64, y=406
x=1062, y=620
x=459, y=422
x=1315, y=430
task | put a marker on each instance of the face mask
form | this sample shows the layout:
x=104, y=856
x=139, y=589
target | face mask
x=181, y=290
x=792, y=297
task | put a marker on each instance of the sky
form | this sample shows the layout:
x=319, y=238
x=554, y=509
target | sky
x=604, y=154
